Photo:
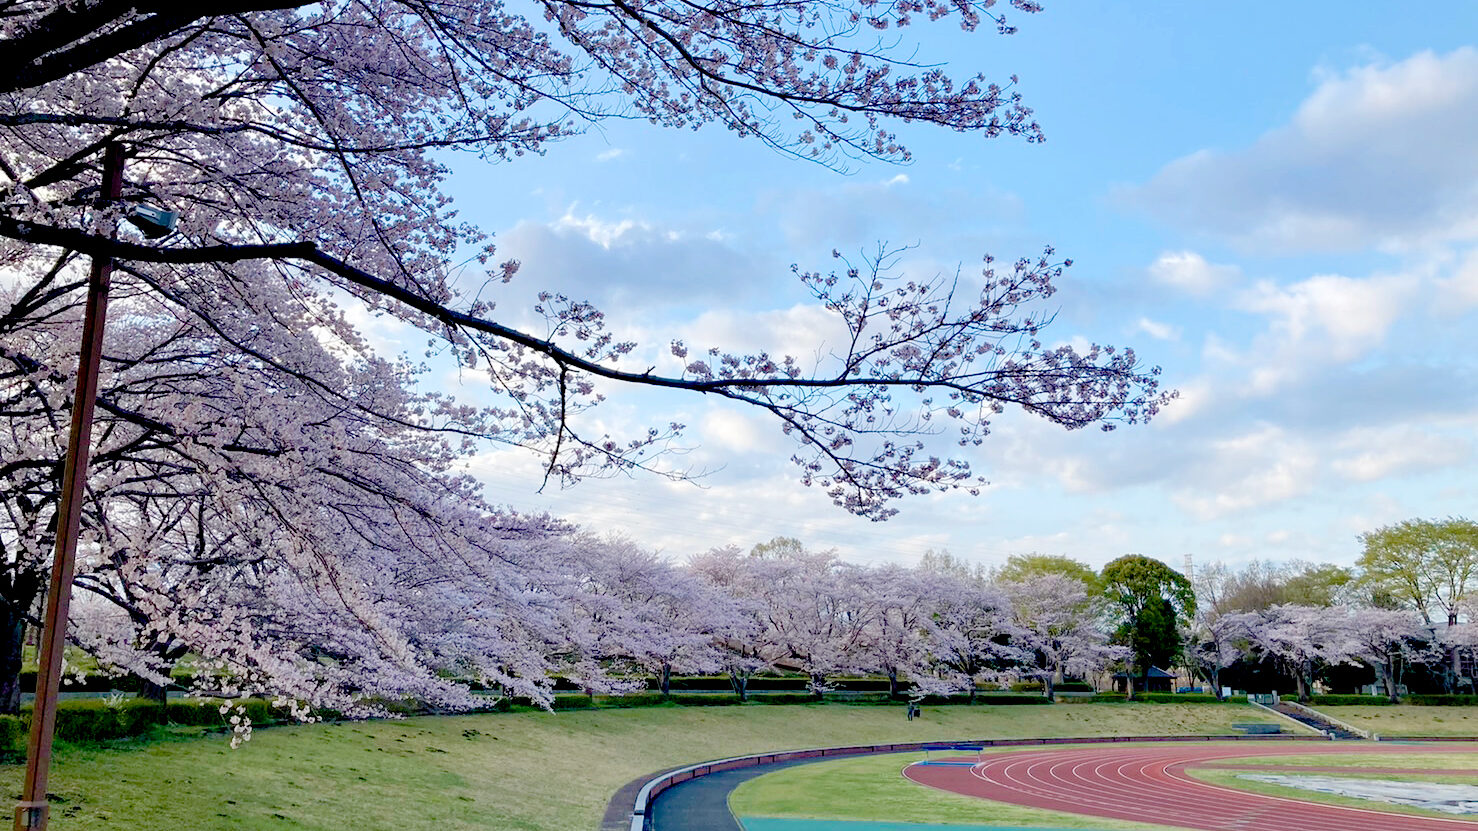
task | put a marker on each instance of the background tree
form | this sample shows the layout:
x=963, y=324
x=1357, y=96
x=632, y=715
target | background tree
x=1020, y=568
x=972, y=639
x=1151, y=601
x=1390, y=640
x=1428, y=565
x=1059, y=625
x=1301, y=638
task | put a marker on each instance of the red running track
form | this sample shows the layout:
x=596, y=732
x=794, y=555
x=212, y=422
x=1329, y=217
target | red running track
x=1149, y=784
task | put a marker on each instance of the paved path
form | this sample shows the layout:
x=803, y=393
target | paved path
x=1149, y=784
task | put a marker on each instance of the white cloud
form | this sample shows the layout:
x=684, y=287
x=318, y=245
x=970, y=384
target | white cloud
x=1458, y=293
x=1381, y=155
x=1157, y=330
x=1251, y=470
x=1348, y=315
x=609, y=155
x=1379, y=453
x=1189, y=272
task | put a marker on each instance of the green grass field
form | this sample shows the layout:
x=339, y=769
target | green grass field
x=1408, y=719
x=507, y=772
x=1230, y=779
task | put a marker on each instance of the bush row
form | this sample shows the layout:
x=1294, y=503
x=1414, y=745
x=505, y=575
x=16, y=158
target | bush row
x=97, y=683
x=94, y=720
x=1153, y=698
x=1350, y=699
x=1441, y=700
x=566, y=701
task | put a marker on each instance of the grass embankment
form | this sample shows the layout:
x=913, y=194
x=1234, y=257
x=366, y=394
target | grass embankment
x=1396, y=720
x=871, y=788
x=508, y=771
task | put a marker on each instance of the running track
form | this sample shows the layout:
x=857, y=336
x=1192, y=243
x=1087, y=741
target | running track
x=1149, y=784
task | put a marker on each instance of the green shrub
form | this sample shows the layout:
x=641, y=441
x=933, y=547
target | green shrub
x=13, y=734
x=573, y=701
x=1335, y=700
x=710, y=700
x=1109, y=697
x=1073, y=686
x=1176, y=698
x=1008, y=698
x=783, y=698
x=631, y=700
x=1028, y=686
x=1442, y=700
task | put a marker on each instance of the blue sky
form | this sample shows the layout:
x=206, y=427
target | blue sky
x=1278, y=206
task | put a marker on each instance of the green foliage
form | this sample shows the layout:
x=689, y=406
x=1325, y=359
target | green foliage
x=1437, y=700
x=1177, y=698
x=1152, y=600
x=1028, y=686
x=1073, y=686
x=1022, y=567
x=1427, y=564
x=783, y=698
x=13, y=730
x=710, y=700
x=1317, y=585
x=1349, y=699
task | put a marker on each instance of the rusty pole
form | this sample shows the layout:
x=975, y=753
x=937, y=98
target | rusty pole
x=31, y=812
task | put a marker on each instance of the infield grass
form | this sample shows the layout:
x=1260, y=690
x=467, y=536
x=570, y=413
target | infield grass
x=1231, y=779
x=514, y=771
x=873, y=788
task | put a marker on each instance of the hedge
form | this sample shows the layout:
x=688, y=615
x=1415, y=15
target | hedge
x=95, y=720
x=1435, y=700
x=1334, y=700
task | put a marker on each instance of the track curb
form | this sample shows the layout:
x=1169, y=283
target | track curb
x=630, y=808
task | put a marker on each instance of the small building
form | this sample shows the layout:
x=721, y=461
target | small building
x=1159, y=681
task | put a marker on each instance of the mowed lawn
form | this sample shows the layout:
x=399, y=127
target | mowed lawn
x=1395, y=720
x=529, y=770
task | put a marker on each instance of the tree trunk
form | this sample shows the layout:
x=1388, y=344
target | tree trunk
x=1303, y=676
x=151, y=691
x=893, y=682
x=12, y=645
x=666, y=678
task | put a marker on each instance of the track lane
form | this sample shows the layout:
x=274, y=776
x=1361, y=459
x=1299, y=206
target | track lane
x=1150, y=784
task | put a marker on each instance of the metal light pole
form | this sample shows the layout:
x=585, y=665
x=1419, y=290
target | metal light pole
x=32, y=810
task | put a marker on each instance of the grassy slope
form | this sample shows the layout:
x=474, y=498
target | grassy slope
x=516, y=771
x=1408, y=719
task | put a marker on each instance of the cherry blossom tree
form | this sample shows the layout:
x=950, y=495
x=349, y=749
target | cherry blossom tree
x=754, y=646
x=658, y=617
x=1300, y=638
x=1388, y=640
x=903, y=601
x=971, y=640
x=1061, y=627
x=300, y=144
